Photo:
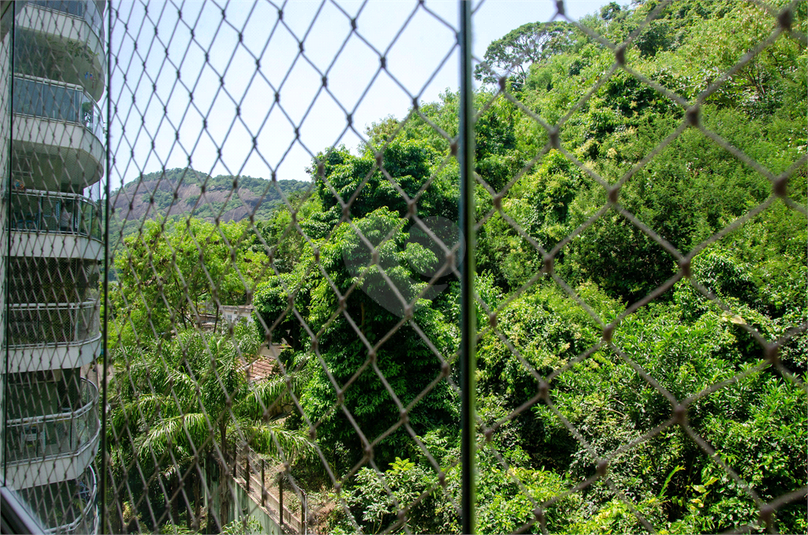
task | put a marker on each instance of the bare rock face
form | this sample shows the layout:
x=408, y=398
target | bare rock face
x=186, y=192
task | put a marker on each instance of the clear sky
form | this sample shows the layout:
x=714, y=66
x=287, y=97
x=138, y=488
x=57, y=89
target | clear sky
x=257, y=54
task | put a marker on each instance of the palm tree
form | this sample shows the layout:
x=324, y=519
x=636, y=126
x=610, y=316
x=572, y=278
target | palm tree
x=180, y=410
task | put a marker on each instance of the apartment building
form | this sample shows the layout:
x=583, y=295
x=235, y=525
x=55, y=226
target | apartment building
x=53, y=258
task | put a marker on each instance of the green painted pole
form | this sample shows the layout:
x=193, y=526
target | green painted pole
x=465, y=155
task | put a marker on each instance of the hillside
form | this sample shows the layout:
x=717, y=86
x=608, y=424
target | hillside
x=153, y=195
x=641, y=274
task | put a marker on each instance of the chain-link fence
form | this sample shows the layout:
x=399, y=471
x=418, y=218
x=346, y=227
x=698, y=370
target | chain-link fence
x=615, y=455
x=52, y=74
x=349, y=290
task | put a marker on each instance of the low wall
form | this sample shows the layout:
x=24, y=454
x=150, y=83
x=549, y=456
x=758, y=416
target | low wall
x=246, y=506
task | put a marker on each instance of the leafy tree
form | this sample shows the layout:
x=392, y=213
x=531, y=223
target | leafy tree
x=401, y=166
x=170, y=273
x=185, y=405
x=512, y=54
x=376, y=509
x=407, y=364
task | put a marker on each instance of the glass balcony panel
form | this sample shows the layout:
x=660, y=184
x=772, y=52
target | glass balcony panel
x=54, y=435
x=68, y=506
x=84, y=9
x=45, y=100
x=54, y=101
x=91, y=116
x=47, y=324
x=65, y=213
x=52, y=280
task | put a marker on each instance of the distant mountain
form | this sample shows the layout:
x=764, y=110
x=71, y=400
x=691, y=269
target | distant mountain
x=227, y=197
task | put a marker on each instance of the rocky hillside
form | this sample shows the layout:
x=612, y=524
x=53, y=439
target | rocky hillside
x=227, y=197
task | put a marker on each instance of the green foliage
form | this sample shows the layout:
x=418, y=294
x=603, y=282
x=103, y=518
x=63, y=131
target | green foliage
x=186, y=402
x=168, y=274
x=690, y=190
x=511, y=55
x=371, y=181
x=355, y=281
x=405, y=361
x=304, y=299
x=246, y=526
x=375, y=501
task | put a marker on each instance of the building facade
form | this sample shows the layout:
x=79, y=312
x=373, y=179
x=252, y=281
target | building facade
x=52, y=260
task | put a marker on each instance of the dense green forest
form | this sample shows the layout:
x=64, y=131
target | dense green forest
x=576, y=365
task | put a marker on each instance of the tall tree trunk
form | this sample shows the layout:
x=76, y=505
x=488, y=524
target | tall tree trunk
x=224, y=480
x=177, y=496
x=190, y=516
x=173, y=488
x=214, y=520
x=197, y=502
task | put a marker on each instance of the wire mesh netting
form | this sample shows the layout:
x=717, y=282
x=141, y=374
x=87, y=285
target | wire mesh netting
x=53, y=74
x=624, y=381
x=320, y=279
x=283, y=303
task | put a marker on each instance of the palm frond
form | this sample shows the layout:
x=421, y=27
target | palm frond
x=273, y=440
x=153, y=407
x=183, y=385
x=267, y=398
x=189, y=431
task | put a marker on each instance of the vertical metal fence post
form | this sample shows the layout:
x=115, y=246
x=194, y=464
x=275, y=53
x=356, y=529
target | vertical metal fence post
x=280, y=498
x=304, y=512
x=105, y=283
x=7, y=237
x=465, y=155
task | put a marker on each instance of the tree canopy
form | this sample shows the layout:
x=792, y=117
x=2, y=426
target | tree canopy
x=589, y=326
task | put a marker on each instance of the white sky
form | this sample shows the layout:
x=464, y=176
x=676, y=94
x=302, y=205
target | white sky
x=163, y=127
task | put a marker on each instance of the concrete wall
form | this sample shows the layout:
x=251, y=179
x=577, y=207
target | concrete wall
x=245, y=504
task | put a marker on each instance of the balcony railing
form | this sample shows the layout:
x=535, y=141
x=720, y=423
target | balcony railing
x=52, y=280
x=81, y=515
x=37, y=438
x=56, y=100
x=64, y=213
x=83, y=9
x=35, y=324
x=67, y=506
x=86, y=524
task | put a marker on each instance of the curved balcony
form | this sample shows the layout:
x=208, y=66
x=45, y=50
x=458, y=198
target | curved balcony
x=52, y=280
x=53, y=336
x=50, y=448
x=67, y=507
x=62, y=40
x=87, y=524
x=60, y=127
x=82, y=9
x=55, y=225
x=63, y=213
x=55, y=100
x=54, y=356
x=36, y=324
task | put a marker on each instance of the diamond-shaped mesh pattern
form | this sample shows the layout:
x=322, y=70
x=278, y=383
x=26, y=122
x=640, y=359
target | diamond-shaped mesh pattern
x=645, y=399
x=343, y=411
x=283, y=354
x=54, y=69
x=245, y=317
